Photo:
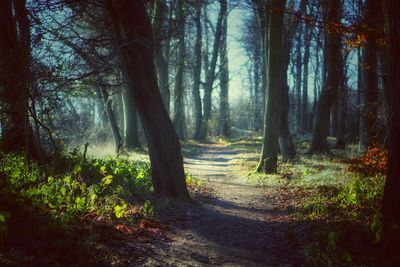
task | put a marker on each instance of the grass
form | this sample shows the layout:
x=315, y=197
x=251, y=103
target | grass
x=337, y=205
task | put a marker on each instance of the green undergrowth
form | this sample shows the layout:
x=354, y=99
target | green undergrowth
x=78, y=186
x=46, y=208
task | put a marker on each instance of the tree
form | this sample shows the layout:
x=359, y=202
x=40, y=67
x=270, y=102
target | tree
x=307, y=47
x=15, y=75
x=197, y=73
x=137, y=58
x=179, y=108
x=370, y=78
x=391, y=195
x=224, y=120
x=161, y=48
x=334, y=66
x=272, y=117
x=210, y=72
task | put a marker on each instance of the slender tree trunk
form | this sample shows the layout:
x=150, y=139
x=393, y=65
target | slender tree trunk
x=137, y=59
x=224, y=116
x=131, y=140
x=161, y=41
x=298, y=82
x=307, y=45
x=272, y=116
x=121, y=114
x=210, y=74
x=110, y=114
x=179, y=107
x=334, y=70
x=197, y=75
x=370, y=85
x=257, y=104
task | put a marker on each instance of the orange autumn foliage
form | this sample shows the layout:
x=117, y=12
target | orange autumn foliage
x=372, y=162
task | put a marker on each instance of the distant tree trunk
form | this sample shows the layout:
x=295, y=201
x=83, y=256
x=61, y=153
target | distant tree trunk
x=131, y=140
x=121, y=114
x=197, y=74
x=15, y=59
x=307, y=45
x=272, y=116
x=257, y=104
x=137, y=59
x=179, y=107
x=370, y=82
x=101, y=108
x=210, y=74
x=162, y=40
x=391, y=196
x=224, y=116
x=334, y=70
x=342, y=114
x=298, y=82
x=361, y=103
x=263, y=21
x=110, y=115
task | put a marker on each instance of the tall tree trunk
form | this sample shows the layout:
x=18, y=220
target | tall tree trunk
x=224, y=116
x=298, y=82
x=307, y=44
x=370, y=85
x=15, y=76
x=262, y=7
x=391, y=195
x=179, y=107
x=342, y=113
x=272, y=116
x=197, y=74
x=257, y=104
x=210, y=74
x=138, y=61
x=360, y=102
x=110, y=114
x=161, y=41
x=334, y=70
x=121, y=114
x=131, y=140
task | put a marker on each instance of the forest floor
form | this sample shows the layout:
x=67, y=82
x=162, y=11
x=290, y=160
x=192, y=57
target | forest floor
x=317, y=211
x=234, y=223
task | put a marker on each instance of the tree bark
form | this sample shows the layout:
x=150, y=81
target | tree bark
x=210, y=74
x=272, y=116
x=224, y=116
x=15, y=77
x=391, y=196
x=307, y=45
x=334, y=70
x=197, y=75
x=179, y=107
x=131, y=140
x=161, y=40
x=138, y=61
x=370, y=85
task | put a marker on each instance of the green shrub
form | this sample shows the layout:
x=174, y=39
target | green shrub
x=98, y=186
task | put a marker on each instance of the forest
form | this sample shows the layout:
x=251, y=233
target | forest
x=199, y=133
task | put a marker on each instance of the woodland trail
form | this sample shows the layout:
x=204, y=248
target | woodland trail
x=237, y=225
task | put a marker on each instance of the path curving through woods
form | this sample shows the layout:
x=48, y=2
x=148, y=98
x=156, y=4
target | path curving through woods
x=238, y=224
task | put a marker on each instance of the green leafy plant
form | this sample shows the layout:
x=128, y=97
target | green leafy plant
x=85, y=185
x=147, y=210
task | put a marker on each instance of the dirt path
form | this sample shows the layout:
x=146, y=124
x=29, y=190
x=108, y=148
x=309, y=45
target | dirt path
x=239, y=225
